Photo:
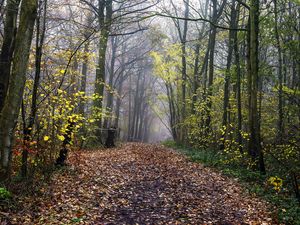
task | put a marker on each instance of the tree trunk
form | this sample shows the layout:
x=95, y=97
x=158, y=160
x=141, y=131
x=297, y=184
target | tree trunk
x=120, y=88
x=118, y=105
x=85, y=63
x=104, y=23
x=129, y=137
x=212, y=44
x=137, y=106
x=254, y=123
x=110, y=97
x=7, y=50
x=238, y=86
x=233, y=22
x=196, y=78
x=184, y=65
x=40, y=37
x=173, y=120
x=14, y=96
x=84, y=73
x=280, y=125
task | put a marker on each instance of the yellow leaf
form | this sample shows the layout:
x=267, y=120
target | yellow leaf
x=61, y=137
x=46, y=138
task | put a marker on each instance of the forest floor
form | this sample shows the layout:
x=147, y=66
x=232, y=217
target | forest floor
x=138, y=184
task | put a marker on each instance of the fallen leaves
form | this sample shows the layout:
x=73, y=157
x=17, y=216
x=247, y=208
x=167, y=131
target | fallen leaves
x=140, y=184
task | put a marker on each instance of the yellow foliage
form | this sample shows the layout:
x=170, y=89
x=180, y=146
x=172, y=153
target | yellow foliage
x=276, y=182
x=46, y=138
x=61, y=137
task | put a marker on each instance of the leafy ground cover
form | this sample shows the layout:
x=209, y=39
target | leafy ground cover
x=286, y=208
x=137, y=184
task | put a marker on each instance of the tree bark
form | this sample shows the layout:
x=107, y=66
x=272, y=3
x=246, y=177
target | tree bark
x=212, y=44
x=13, y=99
x=40, y=37
x=118, y=105
x=104, y=19
x=254, y=123
x=233, y=22
x=84, y=73
x=238, y=86
x=10, y=29
x=196, y=78
x=172, y=108
x=184, y=63
x=129, y=137
x=280, y=125
x=110, y=97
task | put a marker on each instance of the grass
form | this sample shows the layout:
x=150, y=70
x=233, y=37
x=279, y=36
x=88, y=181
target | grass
x=287, y=207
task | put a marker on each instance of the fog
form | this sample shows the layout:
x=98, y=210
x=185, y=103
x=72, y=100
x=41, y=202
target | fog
x=133, y=91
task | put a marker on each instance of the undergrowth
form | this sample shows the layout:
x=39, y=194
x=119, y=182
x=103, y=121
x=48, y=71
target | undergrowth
x=287, y=209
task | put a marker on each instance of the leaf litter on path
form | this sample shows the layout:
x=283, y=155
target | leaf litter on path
x=139, y=184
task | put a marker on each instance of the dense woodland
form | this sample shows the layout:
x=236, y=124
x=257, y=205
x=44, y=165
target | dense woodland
x=219, y=76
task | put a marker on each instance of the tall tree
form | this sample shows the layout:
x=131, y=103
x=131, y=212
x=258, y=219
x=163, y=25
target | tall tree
x=105, y=12
x=17, y=82
x=233, y=21
x=238, y=83
x=254, y=146
x=183, y=39
x=7, y=49
x=110, y=97
x=280, y=126
x=182, y=30
x=216, y=13
x=40, y=37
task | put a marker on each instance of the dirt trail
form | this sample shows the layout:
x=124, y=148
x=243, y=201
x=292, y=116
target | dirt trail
x=140, y=184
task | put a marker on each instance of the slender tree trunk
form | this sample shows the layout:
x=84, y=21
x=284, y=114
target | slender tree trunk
x=142, y=122
x=172, y=110
x=280, y=125
x=120, y=88
x=84, y=73
x=146, y=129
x=233, y=21
x=204, y=72
x=118, y=105
x=110, y=97
x=40, y=37
x=137, y=107
x=238, y=85
x=129, y=137
x=197, y=74
x=196, y=78
x=212, y=44
x=85, y=67
x=184, y=64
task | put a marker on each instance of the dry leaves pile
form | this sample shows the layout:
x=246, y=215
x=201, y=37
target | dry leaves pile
x=139, y=184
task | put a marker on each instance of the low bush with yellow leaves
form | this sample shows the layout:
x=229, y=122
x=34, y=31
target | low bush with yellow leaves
x=276, y=183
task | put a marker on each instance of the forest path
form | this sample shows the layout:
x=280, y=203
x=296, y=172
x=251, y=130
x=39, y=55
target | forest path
x=141, y=184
